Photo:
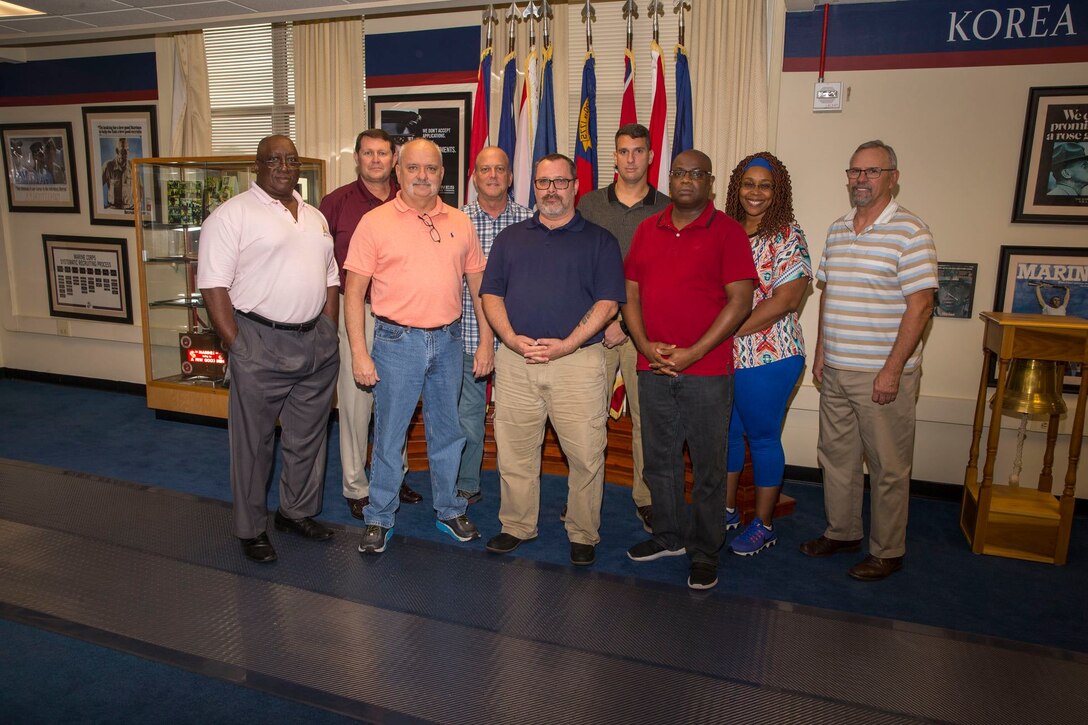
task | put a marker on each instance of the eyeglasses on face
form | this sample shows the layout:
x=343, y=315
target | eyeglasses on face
x=559, y=183
x=693, y=174
x=764, y=186
x=435, y=236
x=291, y=162
x=873, y=172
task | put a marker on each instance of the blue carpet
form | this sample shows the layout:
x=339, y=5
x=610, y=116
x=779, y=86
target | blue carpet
x=942, y=583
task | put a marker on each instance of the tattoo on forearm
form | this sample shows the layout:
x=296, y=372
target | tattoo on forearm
x=585, y=317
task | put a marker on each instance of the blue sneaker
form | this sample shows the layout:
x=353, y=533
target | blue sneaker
x=732, y=519
x=754, y=539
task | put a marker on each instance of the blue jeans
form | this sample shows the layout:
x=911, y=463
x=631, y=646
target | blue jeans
x=471, y=409
x=695, y=409
x=413, y=362
x=761, y=395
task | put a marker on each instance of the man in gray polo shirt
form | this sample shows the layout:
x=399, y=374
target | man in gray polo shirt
x=620, y=208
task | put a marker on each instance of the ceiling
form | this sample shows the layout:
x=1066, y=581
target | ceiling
x=73, y=20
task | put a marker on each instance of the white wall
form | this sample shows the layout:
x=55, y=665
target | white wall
x=957, y=133
x=29, y=338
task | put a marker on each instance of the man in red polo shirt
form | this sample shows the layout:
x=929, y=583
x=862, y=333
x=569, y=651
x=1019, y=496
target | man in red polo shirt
x=690, y=277
x=375, y=154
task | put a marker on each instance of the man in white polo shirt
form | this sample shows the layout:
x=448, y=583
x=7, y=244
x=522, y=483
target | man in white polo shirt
x=879, y=269
x=271, y=286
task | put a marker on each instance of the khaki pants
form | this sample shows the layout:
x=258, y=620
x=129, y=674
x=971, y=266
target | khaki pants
x=567, y=392
x=852, y=425
x=624, y=358
x=355, y=405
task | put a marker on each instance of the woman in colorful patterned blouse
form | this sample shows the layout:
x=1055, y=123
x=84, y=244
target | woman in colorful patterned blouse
x=768, y=349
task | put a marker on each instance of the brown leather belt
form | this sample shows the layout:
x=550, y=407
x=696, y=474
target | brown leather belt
x=394, y=323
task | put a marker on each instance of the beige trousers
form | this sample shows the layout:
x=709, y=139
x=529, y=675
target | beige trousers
x=568, y=393
x=853, y=426
x=624, y=358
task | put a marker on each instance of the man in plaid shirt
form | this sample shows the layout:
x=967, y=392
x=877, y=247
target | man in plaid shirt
x=492, y=212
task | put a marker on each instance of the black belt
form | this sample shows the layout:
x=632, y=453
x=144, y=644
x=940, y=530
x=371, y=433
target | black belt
x=292, y=326
x=394, y=323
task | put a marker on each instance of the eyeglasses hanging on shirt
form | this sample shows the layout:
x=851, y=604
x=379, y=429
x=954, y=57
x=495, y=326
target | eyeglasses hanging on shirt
x=435, y=236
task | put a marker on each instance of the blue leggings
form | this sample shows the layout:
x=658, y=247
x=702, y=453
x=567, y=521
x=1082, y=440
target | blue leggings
x=760, y=397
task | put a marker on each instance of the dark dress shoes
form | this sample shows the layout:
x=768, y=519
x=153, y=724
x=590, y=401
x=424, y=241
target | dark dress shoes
x=259, y=548
x=824, y=546
x=407, y=495
x=873, y=568
x=357, y=505
x=305, y=527
x=504, y=543
x=582, y=554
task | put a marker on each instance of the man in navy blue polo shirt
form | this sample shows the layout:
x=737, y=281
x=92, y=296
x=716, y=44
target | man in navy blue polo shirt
x=551, y=285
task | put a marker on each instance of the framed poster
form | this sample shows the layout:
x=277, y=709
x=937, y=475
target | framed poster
x=956, y=290
x=1046, y=280
x=88, y=278
x=115, y=136
x=441, y=117
x=1052, y=186
x=39, y=167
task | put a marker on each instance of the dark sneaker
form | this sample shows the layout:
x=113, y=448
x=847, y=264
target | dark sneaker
x=375, y=539
x=703, y=576
x=472, y=498
x=504, y=543
x=650, y=550
x=646, y=516
x=732, y=519
x=754, y=539
x=582, y=554
x=459, y=527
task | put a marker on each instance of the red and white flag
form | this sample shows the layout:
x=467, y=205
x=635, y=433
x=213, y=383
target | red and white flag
x=659, y=114
x=523, y=148
x=480, y=121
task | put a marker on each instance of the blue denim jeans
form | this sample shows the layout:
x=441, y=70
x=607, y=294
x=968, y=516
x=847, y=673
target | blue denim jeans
x=471, y=409
x=695, y=409
x=413, y=362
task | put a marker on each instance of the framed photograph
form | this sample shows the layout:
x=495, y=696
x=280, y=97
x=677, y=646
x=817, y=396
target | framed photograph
x=956, y=293
x=115, y=136
x=88, y=278
x=444, y=118
x=40, y=168
x=1044, y=280
x=1052, y=186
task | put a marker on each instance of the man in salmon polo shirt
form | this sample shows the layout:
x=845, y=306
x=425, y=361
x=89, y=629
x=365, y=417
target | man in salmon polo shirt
x=413, y=254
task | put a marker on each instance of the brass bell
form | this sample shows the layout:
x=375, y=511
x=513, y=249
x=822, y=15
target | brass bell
x=1033, y=388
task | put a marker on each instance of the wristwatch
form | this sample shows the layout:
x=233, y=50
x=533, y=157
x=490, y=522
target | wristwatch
x=623, y=328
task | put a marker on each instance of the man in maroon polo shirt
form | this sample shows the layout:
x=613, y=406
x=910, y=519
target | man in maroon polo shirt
x=375, y=154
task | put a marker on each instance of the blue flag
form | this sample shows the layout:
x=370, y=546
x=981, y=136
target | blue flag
x=585, y=147
x=544, y=142
x=508, y=129
x=683, y=139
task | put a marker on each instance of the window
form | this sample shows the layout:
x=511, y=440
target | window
x=251, y=80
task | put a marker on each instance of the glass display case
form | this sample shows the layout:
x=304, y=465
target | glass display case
x=183, y=359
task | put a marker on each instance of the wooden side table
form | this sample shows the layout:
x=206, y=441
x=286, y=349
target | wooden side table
x=1023, y=523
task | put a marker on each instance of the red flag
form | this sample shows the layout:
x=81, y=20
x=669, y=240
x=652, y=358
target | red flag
x=627, y=108
x=659, y=112
x=480, y=122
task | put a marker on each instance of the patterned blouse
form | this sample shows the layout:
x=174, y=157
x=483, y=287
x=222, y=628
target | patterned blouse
x=779, y=259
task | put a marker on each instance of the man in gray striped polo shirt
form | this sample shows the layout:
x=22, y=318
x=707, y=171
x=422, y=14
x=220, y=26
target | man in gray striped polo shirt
x=879, y=270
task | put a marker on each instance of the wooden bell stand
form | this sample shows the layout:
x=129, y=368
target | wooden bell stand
x=1011, y=521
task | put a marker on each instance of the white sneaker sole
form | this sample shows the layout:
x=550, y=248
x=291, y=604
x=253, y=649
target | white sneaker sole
x=701, y=587
x=659, y=555
x=766, y=545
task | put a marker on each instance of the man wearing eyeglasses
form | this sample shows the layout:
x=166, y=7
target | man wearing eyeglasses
x=879, y=270
x=620, y=208
x=492, y=212
x=552, y=284
x=374, y=157
x=270, y=283
x=413, y=253
x=690, y=277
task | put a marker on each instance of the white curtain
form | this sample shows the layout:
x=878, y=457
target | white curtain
x=727, y=42
x=329, y=82
x=191, y=120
